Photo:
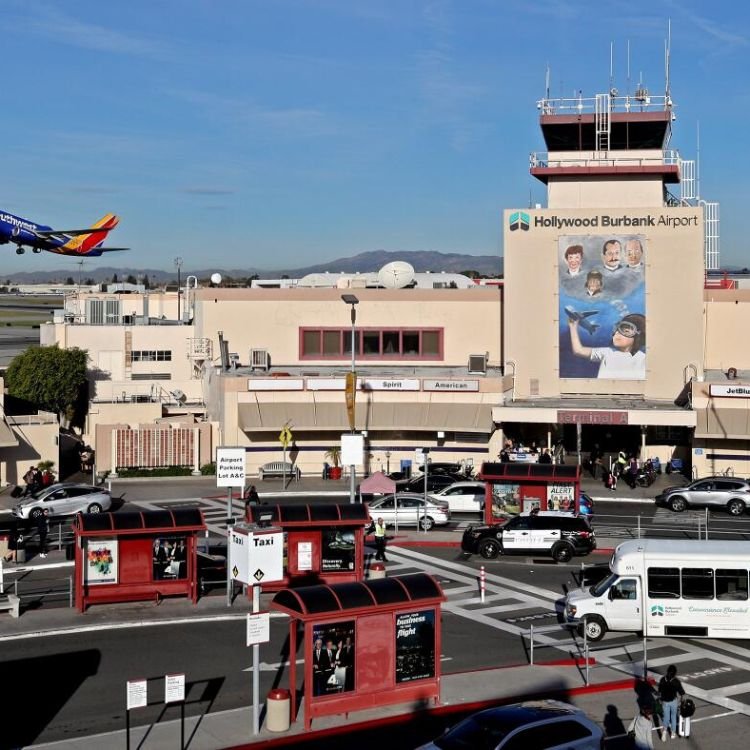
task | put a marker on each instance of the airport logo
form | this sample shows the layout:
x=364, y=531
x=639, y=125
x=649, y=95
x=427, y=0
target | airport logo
x=657, y=610
x=519, y=220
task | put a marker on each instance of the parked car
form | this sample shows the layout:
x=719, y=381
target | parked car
x=435, y=482
x=532, y=725
x=64, y=499
x=463, y=496
x=559, y=534
x=410, y=510
x=724, y=493
x=437, y=467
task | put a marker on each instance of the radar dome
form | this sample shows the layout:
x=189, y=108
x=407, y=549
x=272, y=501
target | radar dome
x=216, y=278
x=396, y=275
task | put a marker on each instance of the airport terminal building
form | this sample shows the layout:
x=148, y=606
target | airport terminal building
x=604, y=332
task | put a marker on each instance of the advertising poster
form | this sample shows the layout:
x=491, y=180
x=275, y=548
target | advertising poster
x=333, y=658
x=101, y=561
x=169, y=558
x=415, y=646
x=337, y=550
x=561, y=496
x=506, y=498
x=602, y=293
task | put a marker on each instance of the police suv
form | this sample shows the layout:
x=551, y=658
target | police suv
x=561, y=535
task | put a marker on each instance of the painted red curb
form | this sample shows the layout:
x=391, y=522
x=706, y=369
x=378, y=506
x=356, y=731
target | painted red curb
x=346, y=728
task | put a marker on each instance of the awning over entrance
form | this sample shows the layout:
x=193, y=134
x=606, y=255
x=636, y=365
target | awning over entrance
x=723, y=423
x=7, y=438
x=377, y=482
x=455, y=417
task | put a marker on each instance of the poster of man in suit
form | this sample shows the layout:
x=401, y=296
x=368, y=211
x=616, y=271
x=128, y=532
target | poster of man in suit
x=333, y=658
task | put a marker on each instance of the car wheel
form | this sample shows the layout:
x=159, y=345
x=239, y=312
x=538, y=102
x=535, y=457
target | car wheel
x=595, y=628
x=489, y=549
x=562, y=552
x=36, y=513
x=735, y=507
x=426, y=523
x=94, y=508
x=677, y=504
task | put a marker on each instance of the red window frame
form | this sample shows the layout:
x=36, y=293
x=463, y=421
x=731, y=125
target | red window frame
x=345, y=353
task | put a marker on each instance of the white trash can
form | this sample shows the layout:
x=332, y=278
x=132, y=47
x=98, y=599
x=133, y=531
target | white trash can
x=278, y=710
x=377, y=570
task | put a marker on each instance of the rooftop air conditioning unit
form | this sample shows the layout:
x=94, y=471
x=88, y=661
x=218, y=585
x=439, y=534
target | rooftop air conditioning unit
x=259, y=359
x=477, y=364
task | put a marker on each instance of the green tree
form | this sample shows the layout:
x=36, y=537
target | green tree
x=131, y=279
x=146, y=283
x=114, y=278
x=70, y=281
x=52, y=378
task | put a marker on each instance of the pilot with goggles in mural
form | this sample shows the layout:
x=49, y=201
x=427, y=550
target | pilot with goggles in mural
x=626, y=358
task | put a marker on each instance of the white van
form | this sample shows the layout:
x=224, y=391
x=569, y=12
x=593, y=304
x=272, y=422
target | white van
x=665, y=587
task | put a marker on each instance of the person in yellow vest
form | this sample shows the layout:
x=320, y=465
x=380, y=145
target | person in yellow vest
x=380, y=540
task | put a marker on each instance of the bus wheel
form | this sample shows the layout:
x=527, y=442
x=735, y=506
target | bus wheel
x=595, y=628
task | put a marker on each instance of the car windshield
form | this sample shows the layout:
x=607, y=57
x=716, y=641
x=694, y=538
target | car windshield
x=475, y=733
x=603, y=585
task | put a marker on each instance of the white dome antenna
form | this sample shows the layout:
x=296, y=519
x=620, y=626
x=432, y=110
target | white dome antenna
x=396, y=275
x=216, y=278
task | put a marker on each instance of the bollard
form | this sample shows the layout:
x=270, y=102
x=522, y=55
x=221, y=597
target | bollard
x=531, y=643
x=482, y=583
x=278, y=710
x=377, y=570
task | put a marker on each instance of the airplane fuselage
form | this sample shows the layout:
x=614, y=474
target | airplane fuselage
x=23, y=232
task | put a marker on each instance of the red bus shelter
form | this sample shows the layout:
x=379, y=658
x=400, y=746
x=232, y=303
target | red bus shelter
x=136, y=556
x=366, y=644
x=517, y=488
x=323, y=543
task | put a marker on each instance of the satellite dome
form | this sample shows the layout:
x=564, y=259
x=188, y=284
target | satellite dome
x=396, y=275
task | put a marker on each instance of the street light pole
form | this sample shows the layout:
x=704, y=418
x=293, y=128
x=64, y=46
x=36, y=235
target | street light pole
x=352, y=300
x=178, y=265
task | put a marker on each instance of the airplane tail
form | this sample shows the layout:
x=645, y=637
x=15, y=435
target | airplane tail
x=88, y=244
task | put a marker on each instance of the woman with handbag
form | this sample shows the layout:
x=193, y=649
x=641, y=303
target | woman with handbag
x=641, y=730
x=670, y=693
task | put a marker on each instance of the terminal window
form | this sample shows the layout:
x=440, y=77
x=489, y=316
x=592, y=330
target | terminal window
x=371, y=343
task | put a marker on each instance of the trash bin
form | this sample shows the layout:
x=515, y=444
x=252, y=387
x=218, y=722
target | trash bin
x=377, y=570
x=278, y=710
x=20, y=549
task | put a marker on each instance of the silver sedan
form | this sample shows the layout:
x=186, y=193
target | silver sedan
x=64, y=499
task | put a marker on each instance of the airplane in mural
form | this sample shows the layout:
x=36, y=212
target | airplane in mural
x=73, y=242
x=581, y=317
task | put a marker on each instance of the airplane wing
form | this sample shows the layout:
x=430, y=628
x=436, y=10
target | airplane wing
x=587, y=313
x=63, y=233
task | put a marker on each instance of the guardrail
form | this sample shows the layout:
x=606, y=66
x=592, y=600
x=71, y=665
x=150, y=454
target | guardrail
x=38, y=592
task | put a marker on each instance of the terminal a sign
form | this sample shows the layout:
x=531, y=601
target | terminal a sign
x=592, y=417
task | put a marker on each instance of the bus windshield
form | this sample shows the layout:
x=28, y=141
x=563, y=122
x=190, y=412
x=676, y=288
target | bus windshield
x=603, y=585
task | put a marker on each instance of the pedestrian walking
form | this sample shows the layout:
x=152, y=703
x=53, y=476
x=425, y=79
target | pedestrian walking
x=641, y=729
x=42, y=527
x=252, y=497
x=380, y=540
x=670, y=693
x=28, y=479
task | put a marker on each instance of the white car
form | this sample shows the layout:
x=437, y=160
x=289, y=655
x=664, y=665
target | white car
x=408, y=509
x=464, y=497
x=64, y=499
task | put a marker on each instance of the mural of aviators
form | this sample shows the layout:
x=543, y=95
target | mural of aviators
x=625, y=359
x=594, y=283
x=574, y=259
x=611, y=256
x=634, y=255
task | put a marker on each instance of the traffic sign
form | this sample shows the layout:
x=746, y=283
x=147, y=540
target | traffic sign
x=285, y=436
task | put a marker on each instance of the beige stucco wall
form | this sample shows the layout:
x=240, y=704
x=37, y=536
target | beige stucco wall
x=37, y=441
x=674, y=302
x=271, y=318
x=602, y=193
x=727, y=321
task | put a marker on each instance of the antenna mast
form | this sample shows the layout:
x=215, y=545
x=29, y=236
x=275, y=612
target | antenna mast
x=667, y=53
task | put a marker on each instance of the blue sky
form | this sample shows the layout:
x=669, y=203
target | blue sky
x=282, y=133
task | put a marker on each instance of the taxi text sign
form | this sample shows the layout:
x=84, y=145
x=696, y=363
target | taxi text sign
x=230, y=467
x=256, y=556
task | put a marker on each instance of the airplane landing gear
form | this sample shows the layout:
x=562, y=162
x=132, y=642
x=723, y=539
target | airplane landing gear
x=37, y=249
x=20, y=250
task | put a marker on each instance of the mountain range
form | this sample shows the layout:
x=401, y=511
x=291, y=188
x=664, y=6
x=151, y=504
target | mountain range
x=484, y=265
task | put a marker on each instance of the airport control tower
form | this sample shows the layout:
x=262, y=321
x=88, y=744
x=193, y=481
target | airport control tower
x=604, y=284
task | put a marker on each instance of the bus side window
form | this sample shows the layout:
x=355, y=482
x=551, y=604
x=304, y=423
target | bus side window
x=664, y=583
x=731, y=584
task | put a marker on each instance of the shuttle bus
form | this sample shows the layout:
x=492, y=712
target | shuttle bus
x=665, y=587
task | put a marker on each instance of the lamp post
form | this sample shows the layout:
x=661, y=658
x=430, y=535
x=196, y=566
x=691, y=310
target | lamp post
x=178, y=266
x=350, y=299
x=387, y=462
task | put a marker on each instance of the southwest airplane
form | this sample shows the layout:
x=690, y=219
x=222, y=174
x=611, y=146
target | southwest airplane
x=73, y=242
